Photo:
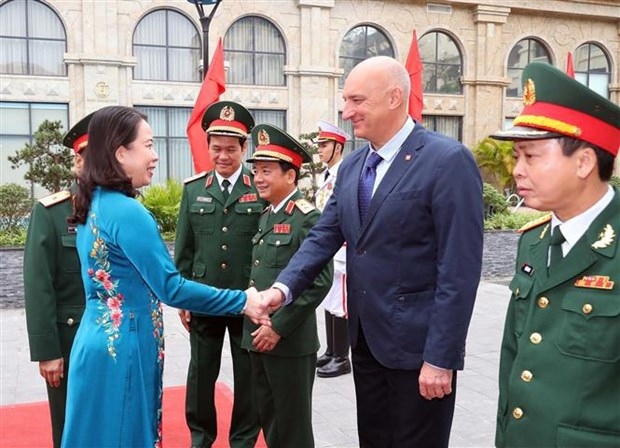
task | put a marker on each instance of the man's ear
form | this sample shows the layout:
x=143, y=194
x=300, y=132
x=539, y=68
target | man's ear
x=587, y=162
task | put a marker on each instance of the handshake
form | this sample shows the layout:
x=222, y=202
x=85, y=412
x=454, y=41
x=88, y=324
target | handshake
x=259, y=305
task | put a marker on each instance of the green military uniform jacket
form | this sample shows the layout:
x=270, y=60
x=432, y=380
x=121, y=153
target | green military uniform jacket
x=53, y=288
x=559, y=379
x=278, y=238
x=214, y=234
x=53, y=292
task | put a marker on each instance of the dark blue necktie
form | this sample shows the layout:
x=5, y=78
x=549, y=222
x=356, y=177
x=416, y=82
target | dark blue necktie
x=367, y=182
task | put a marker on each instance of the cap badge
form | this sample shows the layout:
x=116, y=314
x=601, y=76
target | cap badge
x=529, y=93
x=227, y=113
x=263, y=138
x=605, y=238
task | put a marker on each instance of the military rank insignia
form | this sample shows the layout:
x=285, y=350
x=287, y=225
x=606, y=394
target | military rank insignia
x=250, y=197
x=282, y=228
x=246, y=180
x=605, y=238
x=595, y=282
x=209, y=181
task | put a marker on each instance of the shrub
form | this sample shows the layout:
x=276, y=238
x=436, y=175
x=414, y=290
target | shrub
x=615, y=181
x=496, y=161
x=15, y=205
x=494, y=201
x=510, y=221
x=163, y=201
x=13, y=238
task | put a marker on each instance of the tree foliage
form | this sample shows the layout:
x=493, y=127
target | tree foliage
x=15, y=205
x=49, y=162
x=310, y=171
x=496, y=161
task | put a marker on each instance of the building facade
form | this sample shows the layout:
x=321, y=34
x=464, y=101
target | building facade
x=286, y=60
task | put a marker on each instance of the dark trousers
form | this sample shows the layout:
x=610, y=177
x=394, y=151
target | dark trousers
x=206, y=339
x=57, y=399
x=391, y=413
x=283, y=388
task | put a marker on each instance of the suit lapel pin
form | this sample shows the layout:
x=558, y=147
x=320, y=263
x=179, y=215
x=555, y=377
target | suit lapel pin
x=408, y=157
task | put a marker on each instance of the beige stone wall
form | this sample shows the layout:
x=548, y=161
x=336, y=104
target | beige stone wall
x=100, y=60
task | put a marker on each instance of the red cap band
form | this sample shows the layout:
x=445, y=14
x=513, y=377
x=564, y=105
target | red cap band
x=277, y=152
x=80, y=143
x=331, y=136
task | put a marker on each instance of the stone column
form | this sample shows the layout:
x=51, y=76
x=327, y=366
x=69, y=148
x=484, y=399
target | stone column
x=484, y=92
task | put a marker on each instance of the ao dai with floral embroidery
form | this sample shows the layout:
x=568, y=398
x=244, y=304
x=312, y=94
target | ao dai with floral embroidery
x=115, y=393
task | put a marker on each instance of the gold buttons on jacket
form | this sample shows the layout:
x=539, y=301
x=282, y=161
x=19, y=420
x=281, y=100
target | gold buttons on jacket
x=587, y=308
x=535, y=338
x=251, y=282
x=261, y=241
x=225, y=211
x=224, y=229
x=256, y=262
x=249, y=211
x=517, y=413
x=526, y=376
x=543, y=302
x=70, y=321
x=224, y=247
x=223, y=265
x=278, y=243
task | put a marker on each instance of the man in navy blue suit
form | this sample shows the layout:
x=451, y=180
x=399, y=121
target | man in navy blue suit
x=409, y=206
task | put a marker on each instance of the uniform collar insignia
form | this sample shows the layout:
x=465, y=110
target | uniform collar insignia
x=209, y=180
x=246, y=180
x=605, y=238
x=290, y=207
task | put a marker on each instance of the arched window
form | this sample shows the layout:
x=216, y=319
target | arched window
x=32, y=38
x=592, y=68
x=443, y=64
x=525, y=51
x=362, y=42
x=255, y=50
x=167, y=47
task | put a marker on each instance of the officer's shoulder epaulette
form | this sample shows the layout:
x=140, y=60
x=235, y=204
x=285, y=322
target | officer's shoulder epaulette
x=196, y=177
x=535, y=223
x=304, y=205
x=55, y=198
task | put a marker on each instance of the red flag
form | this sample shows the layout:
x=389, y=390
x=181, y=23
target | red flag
x=414, y=68
x=213, y=86
x=570, y=71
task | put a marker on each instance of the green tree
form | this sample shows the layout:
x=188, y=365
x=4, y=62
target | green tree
x=496, y=161
x=15, y=205
x=49, y=161
x=310, y=170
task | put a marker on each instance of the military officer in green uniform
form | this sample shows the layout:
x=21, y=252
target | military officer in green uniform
x=53, y=288
x=559, y=378
x=218, y=216
x=283, y=356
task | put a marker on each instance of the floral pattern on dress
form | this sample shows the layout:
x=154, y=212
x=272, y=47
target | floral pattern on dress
x=158, y=334
x=110, y=300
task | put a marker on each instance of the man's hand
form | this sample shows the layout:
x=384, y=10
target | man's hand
x=53, y=371
x=265, y=339
x=186, y=318
x=273, y=298
x=435, y=382
x=256, y=308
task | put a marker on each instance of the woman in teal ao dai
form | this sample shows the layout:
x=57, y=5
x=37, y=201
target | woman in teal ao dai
x=115, y=393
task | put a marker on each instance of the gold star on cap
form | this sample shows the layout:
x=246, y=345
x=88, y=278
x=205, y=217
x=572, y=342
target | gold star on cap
x=263, y=137
x=529, y=93
x=227, y=113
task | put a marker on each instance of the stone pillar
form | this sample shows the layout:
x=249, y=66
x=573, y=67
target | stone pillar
x=313, y=84
x=484, y=92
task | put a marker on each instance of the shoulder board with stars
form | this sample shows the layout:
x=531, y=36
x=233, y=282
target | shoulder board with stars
x=535, y=223
x=304, y=205
x=193, y=178
x=55, y=198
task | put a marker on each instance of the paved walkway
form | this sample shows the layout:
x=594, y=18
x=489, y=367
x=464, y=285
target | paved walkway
x=334, y=398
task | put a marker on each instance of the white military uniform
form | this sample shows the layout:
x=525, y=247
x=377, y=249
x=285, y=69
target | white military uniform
x=335, y=301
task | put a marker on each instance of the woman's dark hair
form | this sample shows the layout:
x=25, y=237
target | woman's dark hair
x=605, y=158
x=109, y=129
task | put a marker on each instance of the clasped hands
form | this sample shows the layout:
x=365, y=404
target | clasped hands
x=259, y=305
